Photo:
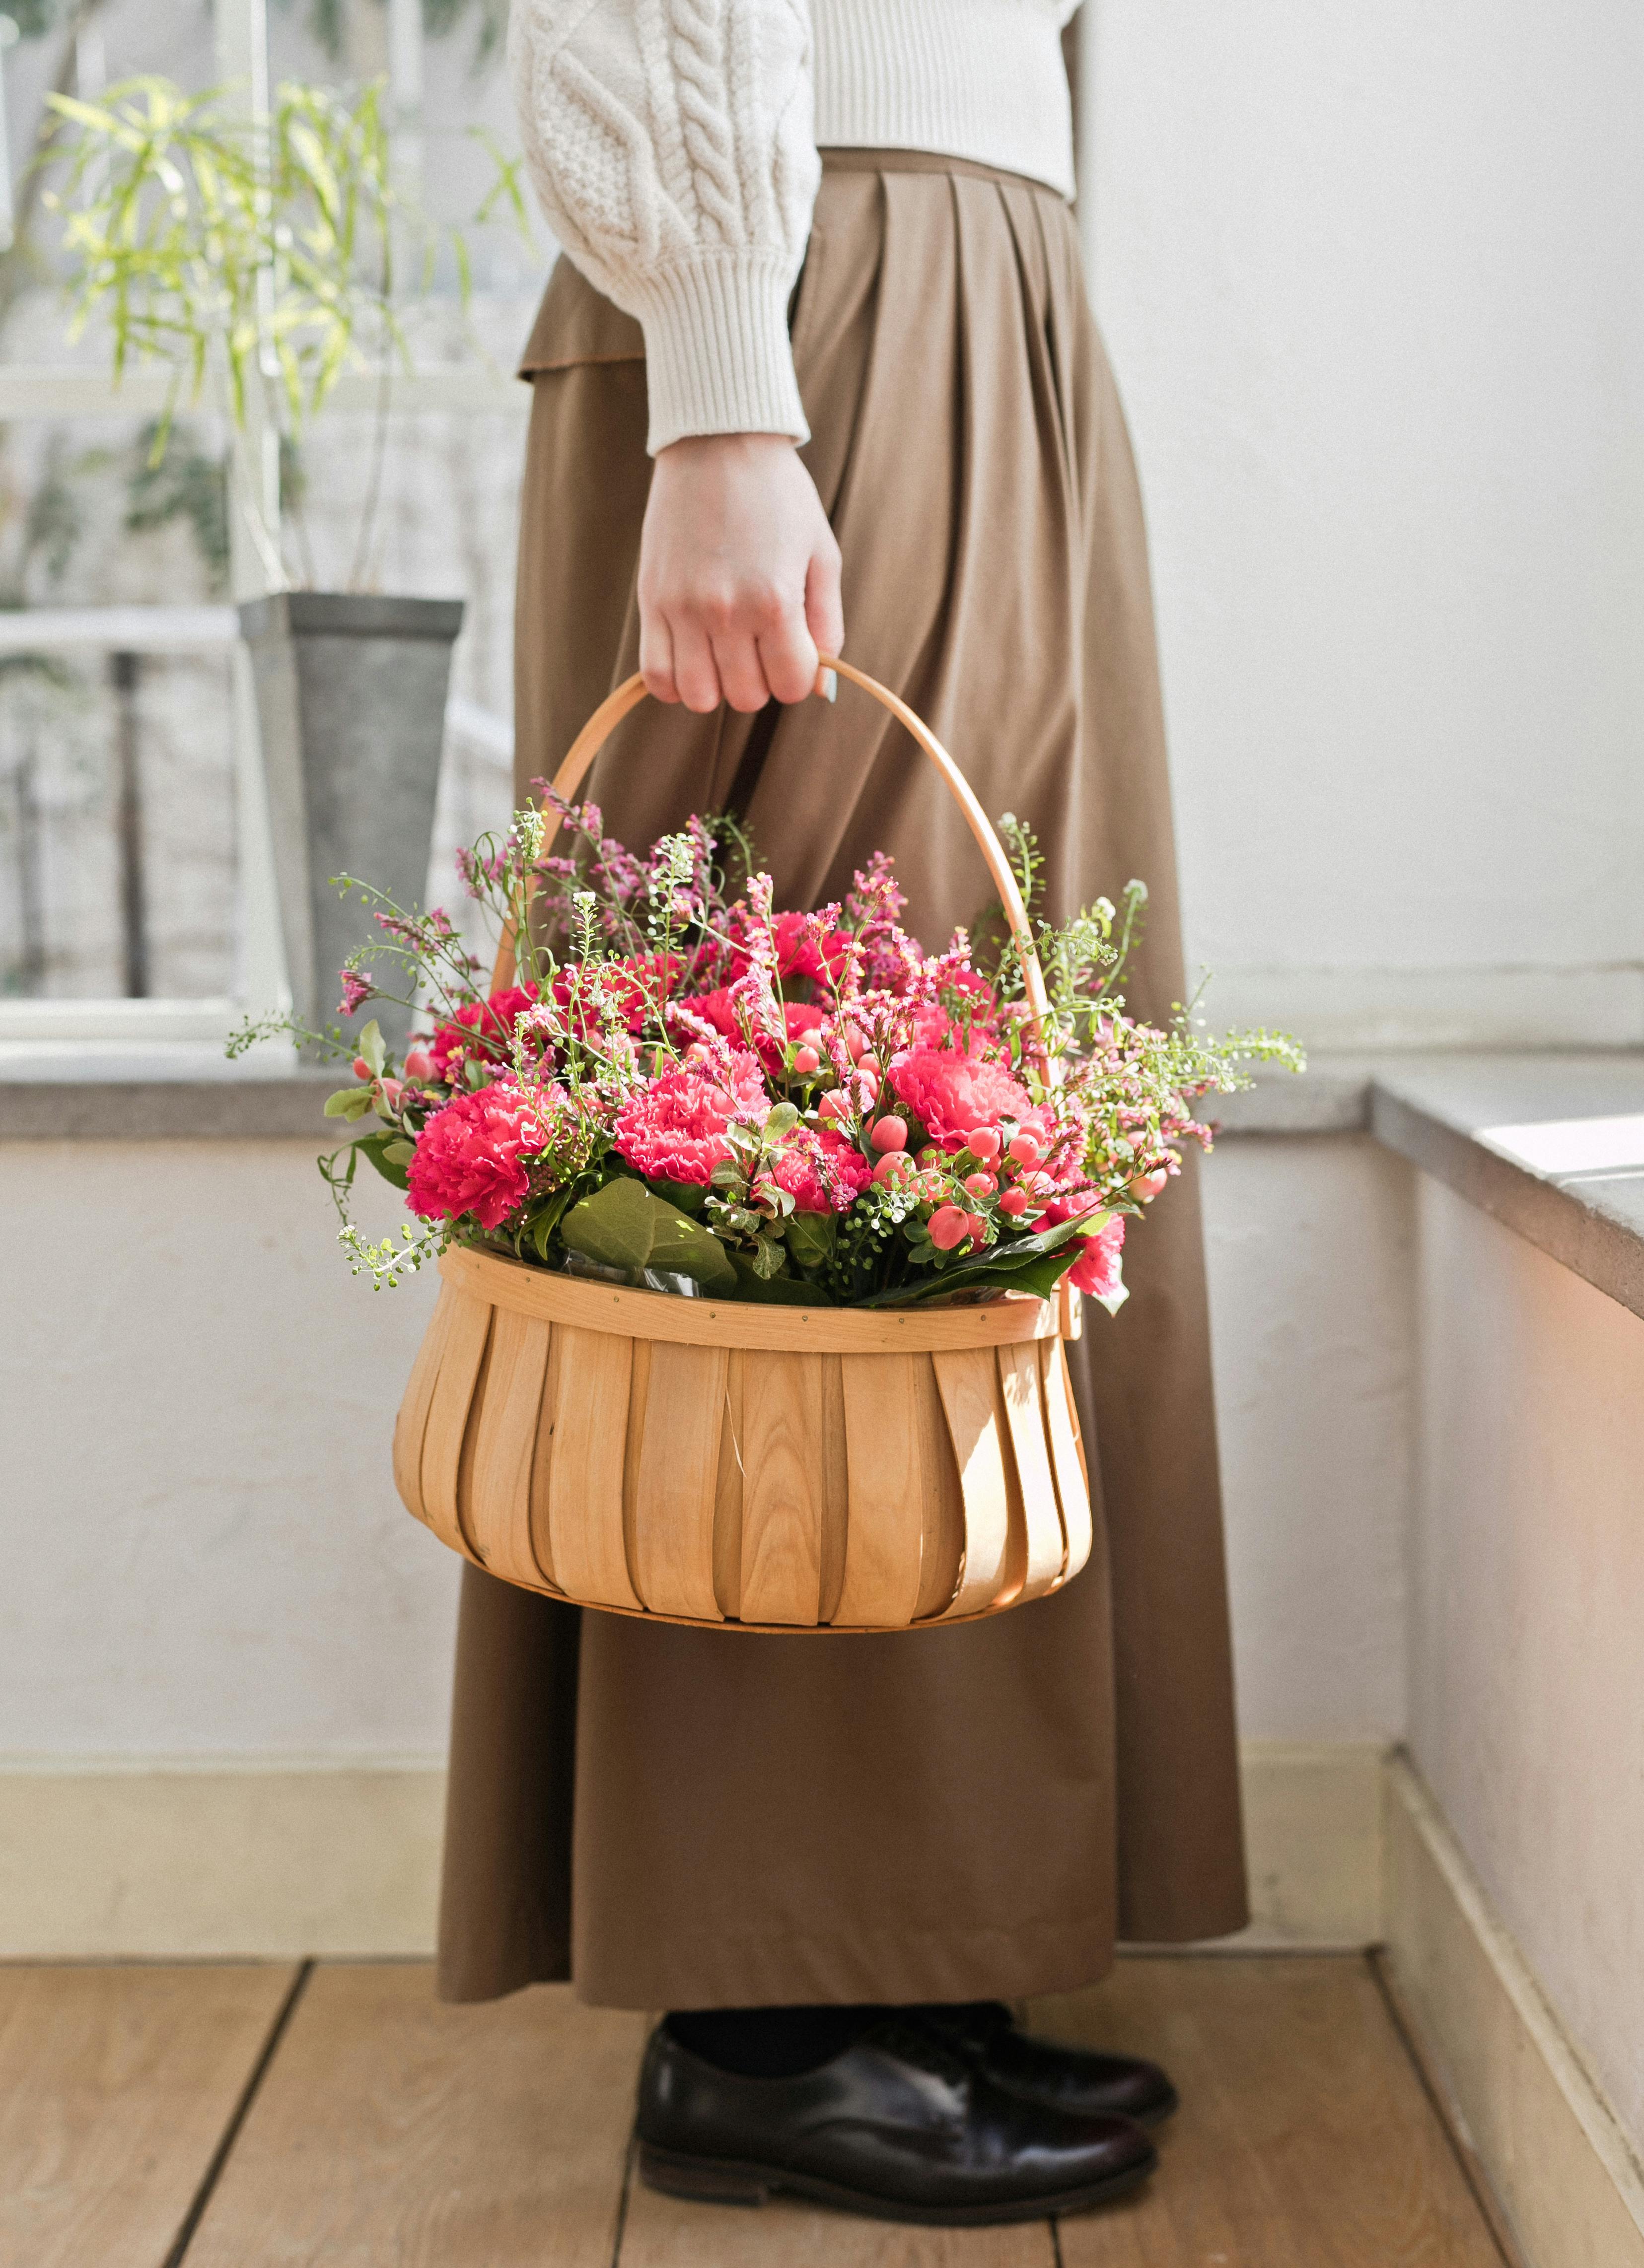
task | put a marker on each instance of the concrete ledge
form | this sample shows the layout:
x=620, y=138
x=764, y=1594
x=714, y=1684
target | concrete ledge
x=1550, y=1145
x=1570, y=2186
x=146, y=1110
x=174, y=1859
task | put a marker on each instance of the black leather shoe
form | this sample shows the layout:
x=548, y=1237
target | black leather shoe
x=1081, y=2080
x=901, y=2124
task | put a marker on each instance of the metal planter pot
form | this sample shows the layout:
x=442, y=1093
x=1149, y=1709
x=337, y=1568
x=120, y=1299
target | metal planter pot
x=350, y=695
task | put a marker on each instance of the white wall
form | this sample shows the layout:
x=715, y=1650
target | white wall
x=1527, y=1625
x=1369, y=278
x=206, y=1557
x=1309, y=1248
x=204, y=1554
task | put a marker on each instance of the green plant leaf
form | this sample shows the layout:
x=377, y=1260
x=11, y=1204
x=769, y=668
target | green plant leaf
x=373, y=1048
x=811, y=1238
x=379, y=1149
x=1011, y=1265
x=776, y=1290
x=626, y=1224
x=348, y=1103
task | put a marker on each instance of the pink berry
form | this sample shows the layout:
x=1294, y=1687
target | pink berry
x=1015, y=1203
x=806, y=1060
x=856, y=1042
x=361, y=1069
x=984, y=1143
x=419, y=1063
x=980, y=1185
x=949, y=1227
x=893, y=1167
x=889, y=1134
x=392, y=1090
x=977, y=1227
x=1026, y=1149
x=835, y=1104
x=1149, y=1185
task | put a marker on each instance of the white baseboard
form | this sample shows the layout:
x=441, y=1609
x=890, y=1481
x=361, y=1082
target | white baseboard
x=1569, y=2183
x=179, y=1860
x=183, y=1861
x=1313, y=1843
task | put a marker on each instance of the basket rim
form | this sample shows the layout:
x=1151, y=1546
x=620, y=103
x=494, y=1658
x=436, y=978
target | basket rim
x=586, y=1305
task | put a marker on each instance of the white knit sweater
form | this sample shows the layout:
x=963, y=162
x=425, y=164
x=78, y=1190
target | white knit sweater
x=673, y=144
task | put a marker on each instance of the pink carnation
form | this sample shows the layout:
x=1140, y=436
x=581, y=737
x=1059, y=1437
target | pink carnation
x=674, y=1129
x=820, y=1170
x=470, y=1156
x=950, y=1093
x=481, y=1028
x=1096, y=1270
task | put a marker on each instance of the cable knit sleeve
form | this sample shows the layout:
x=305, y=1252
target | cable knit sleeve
x=671, y=143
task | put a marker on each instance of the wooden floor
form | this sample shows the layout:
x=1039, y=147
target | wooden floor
x=281, y=2116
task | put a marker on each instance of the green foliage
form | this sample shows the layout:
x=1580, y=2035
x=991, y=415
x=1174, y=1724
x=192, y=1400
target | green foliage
x=626, y=1226
x=325, y=23
x=204, y=237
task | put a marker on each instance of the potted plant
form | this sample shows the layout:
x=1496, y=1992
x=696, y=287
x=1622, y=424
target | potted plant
x=259, y=258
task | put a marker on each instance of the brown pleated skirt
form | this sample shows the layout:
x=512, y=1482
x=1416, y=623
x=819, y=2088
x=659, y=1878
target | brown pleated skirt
x=675, y=1818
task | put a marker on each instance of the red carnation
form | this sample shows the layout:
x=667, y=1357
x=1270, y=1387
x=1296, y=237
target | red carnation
x=820, y=1170
x=482, y=1027
x=950, y=1093
x=674, y=1128
x=470, y=1156
x=1097, y=1269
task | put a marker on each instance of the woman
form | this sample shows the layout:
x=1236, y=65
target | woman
x=757, y=373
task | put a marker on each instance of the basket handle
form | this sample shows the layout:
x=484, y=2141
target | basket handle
x=628, y=696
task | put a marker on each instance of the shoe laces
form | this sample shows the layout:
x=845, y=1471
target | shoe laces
x=917, y=2042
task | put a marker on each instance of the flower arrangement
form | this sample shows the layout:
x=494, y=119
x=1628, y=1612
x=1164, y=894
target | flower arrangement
x=688, y=1090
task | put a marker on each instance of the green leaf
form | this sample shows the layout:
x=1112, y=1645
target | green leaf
x=371, y=1046
x=379, y=1149
x=348, y=1103
x=1013, y=1265
x=626, y=1224
x=782, y=1119
x=776, y=1290
x=811, y=1238
x=690, y=1196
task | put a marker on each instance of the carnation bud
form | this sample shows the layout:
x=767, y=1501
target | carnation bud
x=980, y=1185
x=984, y=1143
x=889, y=1134
x=806, y=1060
x=1026, y=1148
x=948, y=1227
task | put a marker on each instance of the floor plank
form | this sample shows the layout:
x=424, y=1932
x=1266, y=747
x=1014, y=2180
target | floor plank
x=115, y=2087
x=1305, y=2140
x=669, y=2232
x=393, y=2132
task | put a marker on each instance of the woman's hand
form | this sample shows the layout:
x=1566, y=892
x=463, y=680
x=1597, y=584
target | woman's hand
x=739, y=574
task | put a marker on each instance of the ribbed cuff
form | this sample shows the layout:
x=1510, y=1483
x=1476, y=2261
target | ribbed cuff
x=717, y=358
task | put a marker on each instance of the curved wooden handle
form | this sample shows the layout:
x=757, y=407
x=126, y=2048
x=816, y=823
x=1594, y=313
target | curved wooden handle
x=628, y=696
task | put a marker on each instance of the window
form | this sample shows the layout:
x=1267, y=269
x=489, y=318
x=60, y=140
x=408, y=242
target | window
x=137, y=891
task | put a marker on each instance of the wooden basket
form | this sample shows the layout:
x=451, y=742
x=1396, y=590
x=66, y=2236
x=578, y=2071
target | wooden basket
x=746, y=1466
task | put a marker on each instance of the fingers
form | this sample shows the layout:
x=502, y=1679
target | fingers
x=788, y=653
x=825, y=608
x=656, y=655
x=693, y=670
